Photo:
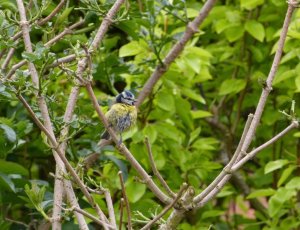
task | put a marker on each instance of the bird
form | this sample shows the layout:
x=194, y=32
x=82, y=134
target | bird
x=122, y=115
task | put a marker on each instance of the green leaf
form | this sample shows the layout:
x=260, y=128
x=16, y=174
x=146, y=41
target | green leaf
x=31, y=57
x=63, y=16
x=274, y=165
x=8, y=167
x=278, y=199
x=183, y=109
x=9, y=132
x=297, y=83
x=130, y=49
x=167, y=130
x=196, y=114
x=191, y=94
x=193, y=61
x=297, y=134
x=283, y=76
x=150, y=132
x=294, y=183
x=119, y=163
x=6, y=183
x=250, y=4
x=194, y=135
x=286, y=173
x=222, y=25
x=212, y=213
x=261, y=192
x=208, y=143
x=165, y=101
x=234, y=33
x=135, y=190
x=232, y=86
x=256, y=29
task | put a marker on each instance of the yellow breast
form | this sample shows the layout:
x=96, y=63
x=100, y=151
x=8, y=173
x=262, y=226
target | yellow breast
x=121, y=116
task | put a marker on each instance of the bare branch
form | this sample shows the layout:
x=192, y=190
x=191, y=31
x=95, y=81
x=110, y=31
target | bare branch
x=8, y=58
x=121, y=213
x=52, y=14
x=90, y=216
x=110, y=207
x=129, y=225
x=191, y=29
x=74, y=203
x=167, y=208
x=156, y=172
x=178, y=213
x=249, y=156
x=65, y=59
x=68, y=30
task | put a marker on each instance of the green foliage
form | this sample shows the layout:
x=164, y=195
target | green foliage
x=193, y=118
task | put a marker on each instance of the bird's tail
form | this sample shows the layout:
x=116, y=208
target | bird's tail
x=105, y=135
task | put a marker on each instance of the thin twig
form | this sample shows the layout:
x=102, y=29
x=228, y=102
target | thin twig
x=191, y=29
x=8, y=58
x=249, y=156
x=178, y=213
x=129, y=225
x=110, y=207
x=72, y=198
x=88, y=215
x=65, y=59
x=167, y=208
x=238, y=153
x=52, y=14
x=66, y=31
x=121, y=213
x=156, y=172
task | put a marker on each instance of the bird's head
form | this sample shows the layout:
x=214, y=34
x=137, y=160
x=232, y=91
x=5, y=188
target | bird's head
x=126, y=97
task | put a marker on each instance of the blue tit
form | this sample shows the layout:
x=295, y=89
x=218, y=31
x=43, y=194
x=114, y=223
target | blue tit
x=122, y=114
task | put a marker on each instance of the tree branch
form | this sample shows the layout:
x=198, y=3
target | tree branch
x=156, y=172
x=90, y=216
x=191, y=29
x=167, y=208
x=129, y=225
